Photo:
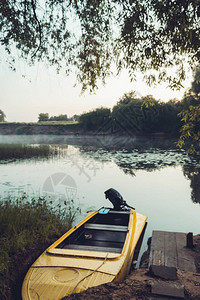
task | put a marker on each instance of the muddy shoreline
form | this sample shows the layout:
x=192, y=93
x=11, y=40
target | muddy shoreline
x=136, y=286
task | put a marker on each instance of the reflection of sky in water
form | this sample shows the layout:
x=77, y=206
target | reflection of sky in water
x=163, y=193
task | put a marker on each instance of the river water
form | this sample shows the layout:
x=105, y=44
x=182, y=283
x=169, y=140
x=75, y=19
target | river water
x=151, y=175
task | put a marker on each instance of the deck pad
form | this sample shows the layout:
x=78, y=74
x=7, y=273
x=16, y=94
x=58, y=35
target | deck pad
x=104, y=211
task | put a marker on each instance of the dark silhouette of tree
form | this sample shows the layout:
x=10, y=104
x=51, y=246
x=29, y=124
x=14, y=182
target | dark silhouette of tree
x=92, y=35
x=96, y=119
x=193, y=174
x=131, y=114
x=43, y=117
x=196, y=82
x=190, y=130
x=2, y=116
x=59, y=118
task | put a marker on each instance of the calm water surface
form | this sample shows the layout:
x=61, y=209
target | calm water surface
x=151, y=175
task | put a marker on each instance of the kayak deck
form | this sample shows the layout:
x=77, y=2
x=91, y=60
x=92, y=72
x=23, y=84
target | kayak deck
x=102, y=233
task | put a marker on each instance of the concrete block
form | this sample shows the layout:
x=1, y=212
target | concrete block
x=168, y=289
x=164, y=272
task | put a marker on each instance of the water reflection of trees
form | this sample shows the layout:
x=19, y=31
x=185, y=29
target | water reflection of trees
x=193, y=174
x=132, y=154
x=135, y=158
x=115, y=143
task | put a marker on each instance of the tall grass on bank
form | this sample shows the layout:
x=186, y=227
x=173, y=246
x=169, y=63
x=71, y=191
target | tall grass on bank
x=18, y=151
x=24, y=228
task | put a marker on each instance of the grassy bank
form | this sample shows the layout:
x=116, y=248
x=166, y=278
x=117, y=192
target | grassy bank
x=56, y=122
x=41, y=123
x=26, y=229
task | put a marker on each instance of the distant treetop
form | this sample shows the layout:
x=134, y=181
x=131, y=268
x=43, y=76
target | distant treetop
x=2, y=116
x=45, y=117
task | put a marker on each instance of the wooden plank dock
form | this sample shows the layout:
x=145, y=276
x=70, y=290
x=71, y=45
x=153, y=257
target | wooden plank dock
x=169, y=249
x=168, y=252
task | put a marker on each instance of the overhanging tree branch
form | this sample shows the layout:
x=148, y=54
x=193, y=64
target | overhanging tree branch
x=39, y=28
x=141, y=35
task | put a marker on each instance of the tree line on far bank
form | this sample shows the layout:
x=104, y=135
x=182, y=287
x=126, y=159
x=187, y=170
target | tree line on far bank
x=63, y=117
x=146, y=115
x=138, y=115
x=132, y=115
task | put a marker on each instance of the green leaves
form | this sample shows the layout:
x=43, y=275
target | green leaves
x=97, y=119
x=2, y=116
x=190, y=131
x=43, y=117
x=94, y=35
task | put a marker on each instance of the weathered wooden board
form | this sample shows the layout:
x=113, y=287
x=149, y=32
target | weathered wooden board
x=168, y=289
x=169, y=249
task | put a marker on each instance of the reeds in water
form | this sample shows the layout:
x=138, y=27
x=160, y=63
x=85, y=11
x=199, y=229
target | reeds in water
x=20, y=151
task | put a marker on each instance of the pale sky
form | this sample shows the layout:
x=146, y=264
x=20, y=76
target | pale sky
x=43, y=91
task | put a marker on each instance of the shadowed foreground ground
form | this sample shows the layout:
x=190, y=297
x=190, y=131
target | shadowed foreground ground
x=138, y=284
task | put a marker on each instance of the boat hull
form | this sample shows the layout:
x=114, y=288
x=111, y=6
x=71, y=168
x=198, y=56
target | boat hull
x=61, y=271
